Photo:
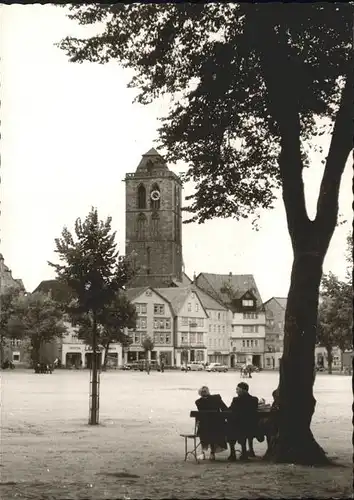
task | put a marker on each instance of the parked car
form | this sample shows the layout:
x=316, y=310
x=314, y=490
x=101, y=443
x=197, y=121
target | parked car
x=127, y=366
x=217, y=367
x=194, y=366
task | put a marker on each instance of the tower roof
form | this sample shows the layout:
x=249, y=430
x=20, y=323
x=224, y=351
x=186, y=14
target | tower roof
x=152, y=152
x=152, y=160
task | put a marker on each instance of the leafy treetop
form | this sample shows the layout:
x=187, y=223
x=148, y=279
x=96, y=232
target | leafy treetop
x=246, y=80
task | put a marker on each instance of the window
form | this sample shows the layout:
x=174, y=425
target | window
x=193, y=295
x=280, y=325
x=218, y=328
x=268, y=361
x=141, y=197
x=159, y=309
x=196, y=307
x=162, y=338
x=192, y=338
x=168, y=338
x=184, y=321
x=156, y=338
x=199, y=338
x=155, y=225
x=243, y=343
x=256, y=343
x=219, y=316
x=250, y=316
x=223, y=329
x=251, y=343
x=15, y=357
x=143, y=323
x=247, y=302
x=167, y=324
x=200, y=321
x=209, y=328
x=214, y=328
x=189, y=306
x=250, y=328
x=209, y=341
x=136, y=339
x=247, y=343
x=141, y=226
x=184, y=338
x=140, y=308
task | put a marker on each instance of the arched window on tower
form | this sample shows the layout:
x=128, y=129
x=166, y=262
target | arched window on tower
x=141, y=226
x=155, y=197
x=141, y=196
x=155, y=220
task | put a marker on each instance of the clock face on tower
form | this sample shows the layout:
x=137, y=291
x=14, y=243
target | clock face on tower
x=155, y=195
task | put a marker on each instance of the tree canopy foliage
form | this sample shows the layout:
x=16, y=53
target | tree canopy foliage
x=92, y=267
x=38, y=318
x=112, y=323
x=242, y=76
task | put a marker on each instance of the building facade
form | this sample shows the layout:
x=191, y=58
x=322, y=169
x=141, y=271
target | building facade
x=218, y=329
x=154, y=222
x=155, y=319
x=15, y=350
x=274, y=337
x=245, y=318
x=190, y=324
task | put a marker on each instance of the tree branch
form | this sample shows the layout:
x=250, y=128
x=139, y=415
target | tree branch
x=339, y=150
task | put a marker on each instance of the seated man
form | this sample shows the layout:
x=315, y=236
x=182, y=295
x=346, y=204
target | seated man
x=211, y=428
x=242, y=423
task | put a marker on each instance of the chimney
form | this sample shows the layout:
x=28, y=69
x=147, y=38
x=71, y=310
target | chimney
x=194, y=277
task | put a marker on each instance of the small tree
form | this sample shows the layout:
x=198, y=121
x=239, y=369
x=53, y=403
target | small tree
x=95, y=272
x=111, y=324
x=335, y=316
x=38, y=318
x=148, y=346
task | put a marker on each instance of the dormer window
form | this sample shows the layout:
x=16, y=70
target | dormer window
x=247, y=302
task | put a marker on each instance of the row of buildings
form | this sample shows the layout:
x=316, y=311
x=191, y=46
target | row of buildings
x=212, y=318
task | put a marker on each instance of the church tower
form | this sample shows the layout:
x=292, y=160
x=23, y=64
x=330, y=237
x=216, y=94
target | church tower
x=154, y=222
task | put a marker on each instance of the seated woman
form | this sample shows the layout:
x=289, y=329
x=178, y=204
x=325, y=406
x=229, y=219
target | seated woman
x=211, y=428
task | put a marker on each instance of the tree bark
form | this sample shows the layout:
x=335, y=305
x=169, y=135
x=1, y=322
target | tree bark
x=94, y=409
x=294, y=442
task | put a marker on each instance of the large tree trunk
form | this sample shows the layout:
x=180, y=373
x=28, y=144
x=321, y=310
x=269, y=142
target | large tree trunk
x=294, y=442
x=329, y=359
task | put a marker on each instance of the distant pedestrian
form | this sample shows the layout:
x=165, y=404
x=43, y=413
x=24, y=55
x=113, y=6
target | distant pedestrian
x=162, y=366
x=148, y=367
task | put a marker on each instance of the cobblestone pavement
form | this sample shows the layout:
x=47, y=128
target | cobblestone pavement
x=49, y=451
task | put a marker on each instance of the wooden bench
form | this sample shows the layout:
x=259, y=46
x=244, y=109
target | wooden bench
x=263, y=412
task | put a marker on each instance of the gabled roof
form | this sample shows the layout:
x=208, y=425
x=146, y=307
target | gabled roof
x=186, y=281
x=134, y=293
x=282, y=301
x=207, y=300
x=59, y=291
x=178, y=296
x=241, y=283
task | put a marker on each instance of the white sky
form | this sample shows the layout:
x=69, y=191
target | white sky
x=70, y=133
